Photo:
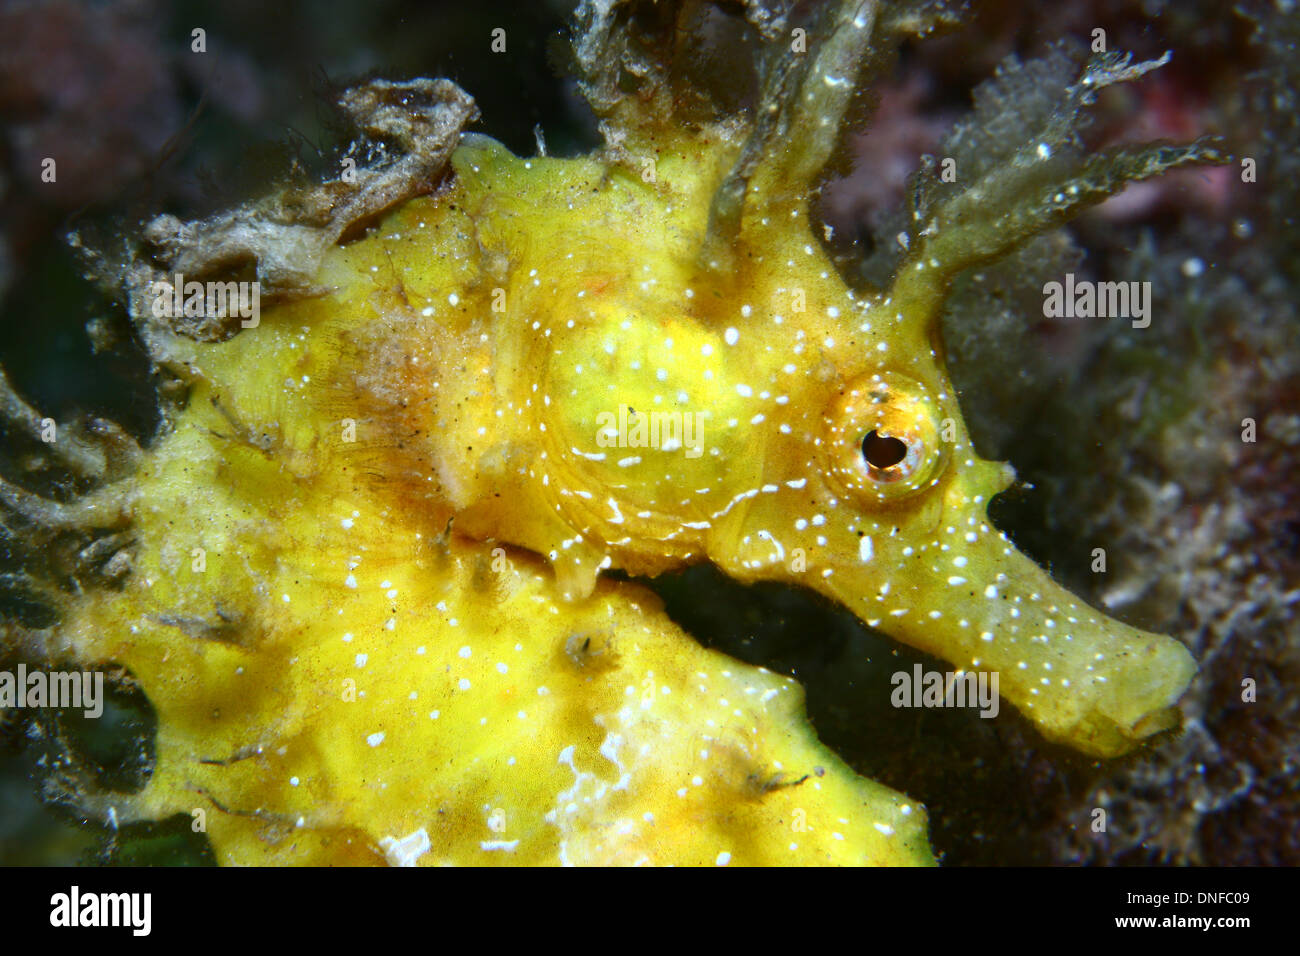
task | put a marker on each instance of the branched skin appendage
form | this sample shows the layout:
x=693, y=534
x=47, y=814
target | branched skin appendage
x=365, y=591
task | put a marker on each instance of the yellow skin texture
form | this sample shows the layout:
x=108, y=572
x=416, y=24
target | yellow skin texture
x=475, y=341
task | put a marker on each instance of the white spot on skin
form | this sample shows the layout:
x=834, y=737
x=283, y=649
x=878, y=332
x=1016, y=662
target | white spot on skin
x=375, y=739
x=407, y=850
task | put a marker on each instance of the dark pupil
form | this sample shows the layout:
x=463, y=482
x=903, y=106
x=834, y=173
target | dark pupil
x=882, y=452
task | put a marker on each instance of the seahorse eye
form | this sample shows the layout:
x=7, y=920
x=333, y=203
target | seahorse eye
x=882, y=438
x=882, y=451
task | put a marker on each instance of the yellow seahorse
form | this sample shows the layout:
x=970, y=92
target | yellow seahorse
x=366, y=598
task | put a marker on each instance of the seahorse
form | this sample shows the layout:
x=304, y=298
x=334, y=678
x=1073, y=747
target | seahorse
x=368, y=599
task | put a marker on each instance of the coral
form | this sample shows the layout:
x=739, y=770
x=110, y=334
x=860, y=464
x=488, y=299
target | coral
x=363, y=588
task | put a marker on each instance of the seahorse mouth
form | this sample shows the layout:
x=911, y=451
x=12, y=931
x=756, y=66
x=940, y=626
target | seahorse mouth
x=1085, y=679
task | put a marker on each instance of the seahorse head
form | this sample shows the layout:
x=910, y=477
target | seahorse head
x=762, y=415
x=703, y=385
x=863, y=484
